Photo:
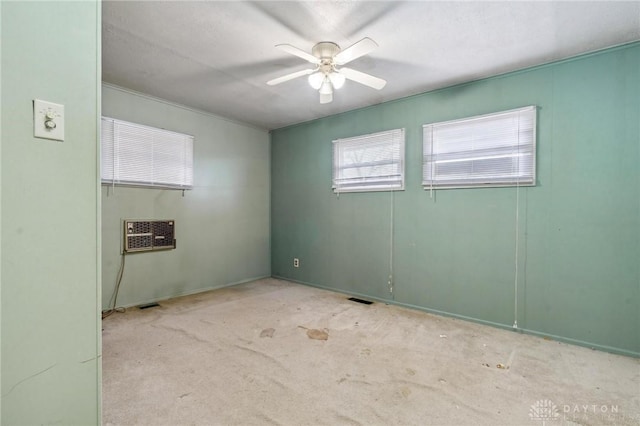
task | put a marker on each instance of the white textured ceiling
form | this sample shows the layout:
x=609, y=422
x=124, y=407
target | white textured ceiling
x=216, y=56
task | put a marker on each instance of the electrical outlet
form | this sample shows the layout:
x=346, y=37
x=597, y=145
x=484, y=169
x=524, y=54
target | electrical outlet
x=296, y=262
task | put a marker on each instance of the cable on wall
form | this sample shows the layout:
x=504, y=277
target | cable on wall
x=114, y=296
x=390, y=282
x=515, y=300
x=515, y=285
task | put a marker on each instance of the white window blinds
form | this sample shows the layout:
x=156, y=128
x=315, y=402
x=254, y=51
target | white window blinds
x=489, y=150
x=137, y=155
x=372, y=162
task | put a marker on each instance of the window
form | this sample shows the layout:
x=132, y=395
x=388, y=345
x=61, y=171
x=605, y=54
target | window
x=372, y=162
x=484, y=151
x=137, y=155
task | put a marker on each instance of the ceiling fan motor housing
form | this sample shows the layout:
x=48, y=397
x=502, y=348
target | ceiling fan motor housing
x=325, y=50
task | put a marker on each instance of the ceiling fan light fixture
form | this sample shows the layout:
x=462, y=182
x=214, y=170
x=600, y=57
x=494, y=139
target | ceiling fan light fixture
x=326, y=98
x=337, y=79
x=316, y=79
x=326, y=88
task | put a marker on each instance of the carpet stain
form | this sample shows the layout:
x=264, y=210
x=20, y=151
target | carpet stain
x=267, y=332
x=316, y=334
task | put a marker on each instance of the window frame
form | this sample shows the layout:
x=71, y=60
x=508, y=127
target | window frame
x=153, y=154
x=507, y=180
x=367, y=184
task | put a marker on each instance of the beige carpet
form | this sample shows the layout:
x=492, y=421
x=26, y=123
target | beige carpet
x=255, y=354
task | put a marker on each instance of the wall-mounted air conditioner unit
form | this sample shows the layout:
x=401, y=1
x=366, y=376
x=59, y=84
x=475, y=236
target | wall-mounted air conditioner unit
x=147, y=235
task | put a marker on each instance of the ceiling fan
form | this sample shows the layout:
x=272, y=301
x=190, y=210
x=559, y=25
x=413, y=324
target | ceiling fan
x=329, y=74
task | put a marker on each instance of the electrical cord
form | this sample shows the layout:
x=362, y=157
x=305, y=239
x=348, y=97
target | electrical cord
x=114, y=297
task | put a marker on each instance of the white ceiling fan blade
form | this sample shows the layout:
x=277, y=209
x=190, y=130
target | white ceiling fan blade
x=298, y=52
x=289, y=77
x=325, y=98
x=363, y=78
x=359, y=48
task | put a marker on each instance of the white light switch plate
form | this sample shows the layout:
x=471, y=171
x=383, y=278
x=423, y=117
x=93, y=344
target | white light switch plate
x=48, y=120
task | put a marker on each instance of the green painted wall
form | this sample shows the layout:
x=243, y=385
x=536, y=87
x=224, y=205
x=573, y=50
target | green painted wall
x=50, y=341
x=222, y=225
x=579, y=227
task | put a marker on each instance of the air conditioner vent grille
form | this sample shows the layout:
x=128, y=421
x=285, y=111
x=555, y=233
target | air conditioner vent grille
x=147, y=235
